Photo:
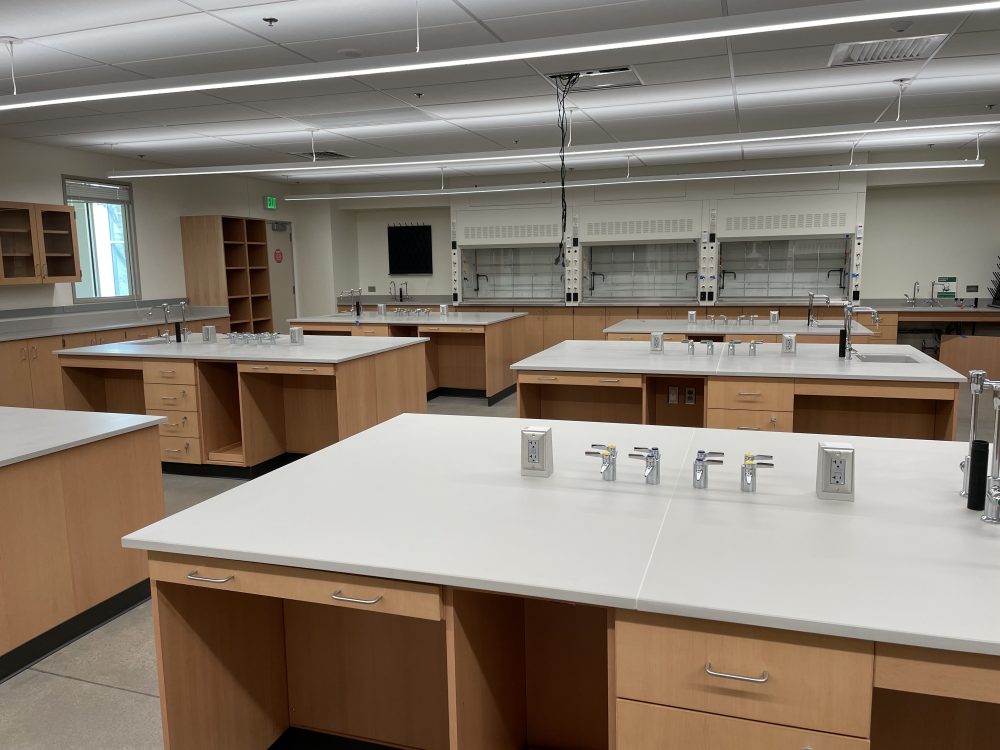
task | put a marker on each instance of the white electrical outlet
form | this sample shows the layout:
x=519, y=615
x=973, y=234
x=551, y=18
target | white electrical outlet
x=536, y=452
x=656, y=341
x=835, y=471
x=673, y=394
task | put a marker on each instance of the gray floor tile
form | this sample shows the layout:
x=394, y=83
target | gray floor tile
x=181, y=492
x=472, y=407
x=121, y=654
x=47, y=712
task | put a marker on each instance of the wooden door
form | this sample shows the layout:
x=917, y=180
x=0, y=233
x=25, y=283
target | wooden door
x=15, y=374
x=46, y=373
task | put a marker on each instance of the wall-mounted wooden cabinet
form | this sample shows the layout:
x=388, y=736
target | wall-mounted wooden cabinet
x=226, y=265
x=38, y=244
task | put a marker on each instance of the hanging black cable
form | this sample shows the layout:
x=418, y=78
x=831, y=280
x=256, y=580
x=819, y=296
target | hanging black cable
x=564, y=85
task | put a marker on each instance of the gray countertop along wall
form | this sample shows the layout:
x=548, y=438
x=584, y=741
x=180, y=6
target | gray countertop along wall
x=39, y=322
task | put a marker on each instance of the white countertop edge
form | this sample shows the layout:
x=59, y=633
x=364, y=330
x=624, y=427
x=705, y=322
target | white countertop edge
x=44, y=333
x=146, y=352
x=143, y=423
x=370, y=318
x=413, y=576
x=835, y=629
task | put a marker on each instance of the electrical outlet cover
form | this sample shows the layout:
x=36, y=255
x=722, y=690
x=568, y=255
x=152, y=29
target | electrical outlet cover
x=689, y=396
x=673, y=394
x=835, y=471
x=536, y=452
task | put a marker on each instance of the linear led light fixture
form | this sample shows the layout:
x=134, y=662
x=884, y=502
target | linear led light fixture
x=694, y=177
x=541, y=155
x=714, y=28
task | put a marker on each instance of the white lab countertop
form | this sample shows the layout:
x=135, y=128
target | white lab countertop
x=315, y=350
x=745, y=331
x=397, y=319
x=906, y=563
x=39, y=326
x=810, y=361
x=29, y=433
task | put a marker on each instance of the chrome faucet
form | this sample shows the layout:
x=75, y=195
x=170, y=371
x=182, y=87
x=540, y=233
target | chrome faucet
x=753, y=347
x=748, y=472
x=977, y=381
x=740, y=319
x=652, y=458
x=932, y=300
x=992, y=514
x=609, y=460
x=753, y=319
x=709, y=346
x=690, y=343
x=724, y=319
x=404, y=291
x=392, y=289
x=711, y=319
x=185, y=331
x=702, y=461
x=810, y=315
x=849, y=312
x=912, y=300
x=731, y=347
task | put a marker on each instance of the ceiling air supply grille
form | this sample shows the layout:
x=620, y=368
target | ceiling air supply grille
x=486, y=232
x=835, y=220
x=886, y=50
x=320, y=155
x=658, y=227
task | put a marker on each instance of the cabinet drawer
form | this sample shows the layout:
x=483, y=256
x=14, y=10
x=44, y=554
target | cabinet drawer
x=369, y=330
x=168, y=371
x=180, y=450
x=746, y=338
x=747, y=419
x=642, y=726
x=449, y=329
x=178, y=424
x=794, y=679
x=170, y=397
x=607, y=380
x=629, y=337
x=419, y=600
x=277, y=368
x=771, y=394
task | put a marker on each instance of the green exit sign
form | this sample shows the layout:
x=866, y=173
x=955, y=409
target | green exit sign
x=271, y=202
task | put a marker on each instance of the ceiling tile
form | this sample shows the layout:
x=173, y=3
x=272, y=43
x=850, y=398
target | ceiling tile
x=153, y=103
x=321, y=105
x=503, y=108
x=24, y=19
x=486, y=90
x=96, y=74
x=306, y=20
x=682, y=126
x=454, y=141
x=460, y=74
x=32, y=59
x=679, y=71
x=145, y=40
x=215, y=62
x=398, y=127
x=782, y=61
x=238, y=127
x=676, y=96
x=66, y=125
x=394, y=42
x=829, y=35
x=207, y=114
x=547, y=136
x=107, y=136
x=58, y=112
x=809, y=116
x=297, y=90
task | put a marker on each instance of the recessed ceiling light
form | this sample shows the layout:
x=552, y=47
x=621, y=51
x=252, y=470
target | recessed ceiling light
x=715, y=28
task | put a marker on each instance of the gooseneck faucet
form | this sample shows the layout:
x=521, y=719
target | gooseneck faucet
x=850, y=311
x=810, y=314
x=609, y=460
x=652, y=458
x=977, y=381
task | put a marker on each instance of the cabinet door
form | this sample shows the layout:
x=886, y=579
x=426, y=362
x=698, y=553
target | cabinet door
x=19, y=261
x=77, y=340
x=15, y=375
x=46, y=374
x=111, y=337
x=56, y=243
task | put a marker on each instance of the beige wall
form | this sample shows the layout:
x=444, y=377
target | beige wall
x=373, y=249
x=916, y=233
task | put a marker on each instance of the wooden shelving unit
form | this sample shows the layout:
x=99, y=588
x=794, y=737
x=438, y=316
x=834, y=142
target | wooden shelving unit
x=226, y=264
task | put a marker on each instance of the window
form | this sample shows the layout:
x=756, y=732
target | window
x=106, y=236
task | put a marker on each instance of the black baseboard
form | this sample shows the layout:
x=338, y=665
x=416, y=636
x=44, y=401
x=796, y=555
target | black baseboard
x=304, y=739
x=460, y=392
x=472, y=393
x=501, y=395
x=231, y=472
x=52, y=640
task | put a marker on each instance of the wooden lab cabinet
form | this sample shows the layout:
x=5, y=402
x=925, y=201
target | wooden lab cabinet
x=38, y=244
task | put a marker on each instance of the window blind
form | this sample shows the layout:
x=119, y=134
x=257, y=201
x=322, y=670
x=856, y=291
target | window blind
x=92, y=190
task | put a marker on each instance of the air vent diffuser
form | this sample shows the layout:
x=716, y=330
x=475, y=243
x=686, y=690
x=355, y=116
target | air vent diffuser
x=320, y=155
x=886, y=50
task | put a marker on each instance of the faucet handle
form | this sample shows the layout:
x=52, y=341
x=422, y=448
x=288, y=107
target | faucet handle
x=757, y=457
x=654, y=451
x=609, y=447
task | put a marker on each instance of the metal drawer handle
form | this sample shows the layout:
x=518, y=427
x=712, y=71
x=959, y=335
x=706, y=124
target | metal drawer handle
x=749, y=428
x=611, y=380
x=307, y=369
x=193, y=576
x=749, y=393
x=547, y=378
x=258, y=367
x=432, y=329
x=336, y=595
x=168, y=372
x=168, y=398
x=764, y=677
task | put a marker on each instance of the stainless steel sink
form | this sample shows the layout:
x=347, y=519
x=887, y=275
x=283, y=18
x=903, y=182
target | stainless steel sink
x=888, y=359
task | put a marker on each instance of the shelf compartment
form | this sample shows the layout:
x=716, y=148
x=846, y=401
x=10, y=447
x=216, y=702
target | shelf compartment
x=218, y=389
x=229, y=454
x=56, y=221
x=236, y=256
x=239, y=309
x=237, y=283
x=261, y=308
x=257, y=255
x=233, y=229
x=260, y=283
x=256, y=231
x=14, y=219
x=60, y=266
